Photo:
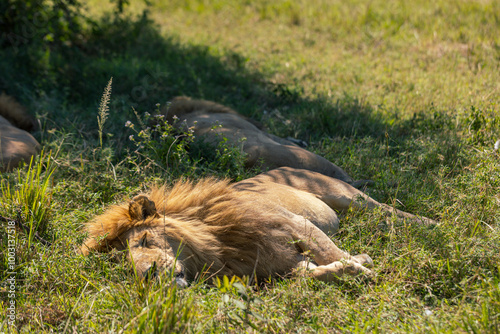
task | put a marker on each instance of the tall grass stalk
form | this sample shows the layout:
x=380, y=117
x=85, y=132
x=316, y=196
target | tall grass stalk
x=104, y=108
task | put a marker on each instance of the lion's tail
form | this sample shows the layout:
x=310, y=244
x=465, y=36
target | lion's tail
x=15, y=113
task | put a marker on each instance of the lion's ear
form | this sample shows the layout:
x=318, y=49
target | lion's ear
x=141, y=207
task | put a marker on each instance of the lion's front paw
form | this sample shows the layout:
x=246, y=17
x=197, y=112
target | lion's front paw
x=356, y=269
x=364, y=259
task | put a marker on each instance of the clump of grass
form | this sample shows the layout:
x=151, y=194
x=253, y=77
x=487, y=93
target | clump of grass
x=161, y=308
x=26, y=201
x=30, y=199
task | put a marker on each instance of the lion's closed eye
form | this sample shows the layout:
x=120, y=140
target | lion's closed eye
x=143, y=240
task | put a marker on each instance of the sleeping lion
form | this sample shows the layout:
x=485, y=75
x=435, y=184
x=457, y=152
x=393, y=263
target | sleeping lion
x=270, y=225
x=261, y=149
x=16, y=143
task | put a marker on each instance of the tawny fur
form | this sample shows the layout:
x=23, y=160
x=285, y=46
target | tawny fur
x=211, y=122
x=217, y=230
x=183, y=105
x=15, y=113
x=16, y=144
x=266, y=225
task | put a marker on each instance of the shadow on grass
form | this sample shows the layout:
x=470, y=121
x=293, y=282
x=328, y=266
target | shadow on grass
x=148, y=68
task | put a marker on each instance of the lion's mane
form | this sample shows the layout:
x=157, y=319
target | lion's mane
x=220, y=230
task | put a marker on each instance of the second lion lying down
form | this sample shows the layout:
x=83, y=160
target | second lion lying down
x=268, y=225
x=261, y=149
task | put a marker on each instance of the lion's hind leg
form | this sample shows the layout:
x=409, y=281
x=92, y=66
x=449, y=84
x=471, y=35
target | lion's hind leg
x=355, y=266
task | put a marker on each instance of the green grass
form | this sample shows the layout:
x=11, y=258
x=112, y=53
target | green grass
x=404, y=93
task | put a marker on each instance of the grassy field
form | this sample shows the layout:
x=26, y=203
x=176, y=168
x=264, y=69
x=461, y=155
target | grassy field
x=403, y=93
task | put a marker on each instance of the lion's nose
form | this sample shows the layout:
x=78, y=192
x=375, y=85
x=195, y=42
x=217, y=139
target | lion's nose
x=180, y=280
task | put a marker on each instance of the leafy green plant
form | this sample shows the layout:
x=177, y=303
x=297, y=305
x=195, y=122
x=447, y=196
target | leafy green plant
x=173, y=147
x=40, y=21
x=220, y=158
x=160, y=143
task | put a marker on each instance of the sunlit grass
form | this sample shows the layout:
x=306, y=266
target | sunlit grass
x=403, y=93
x=400, y=57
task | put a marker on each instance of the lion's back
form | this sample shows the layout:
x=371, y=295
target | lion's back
x=15, y=113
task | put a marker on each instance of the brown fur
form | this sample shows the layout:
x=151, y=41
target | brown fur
x=262, y=149
x=16, y=144
x=211, y=222
x=183, y=105
x=15, y=113
x=266, y=225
